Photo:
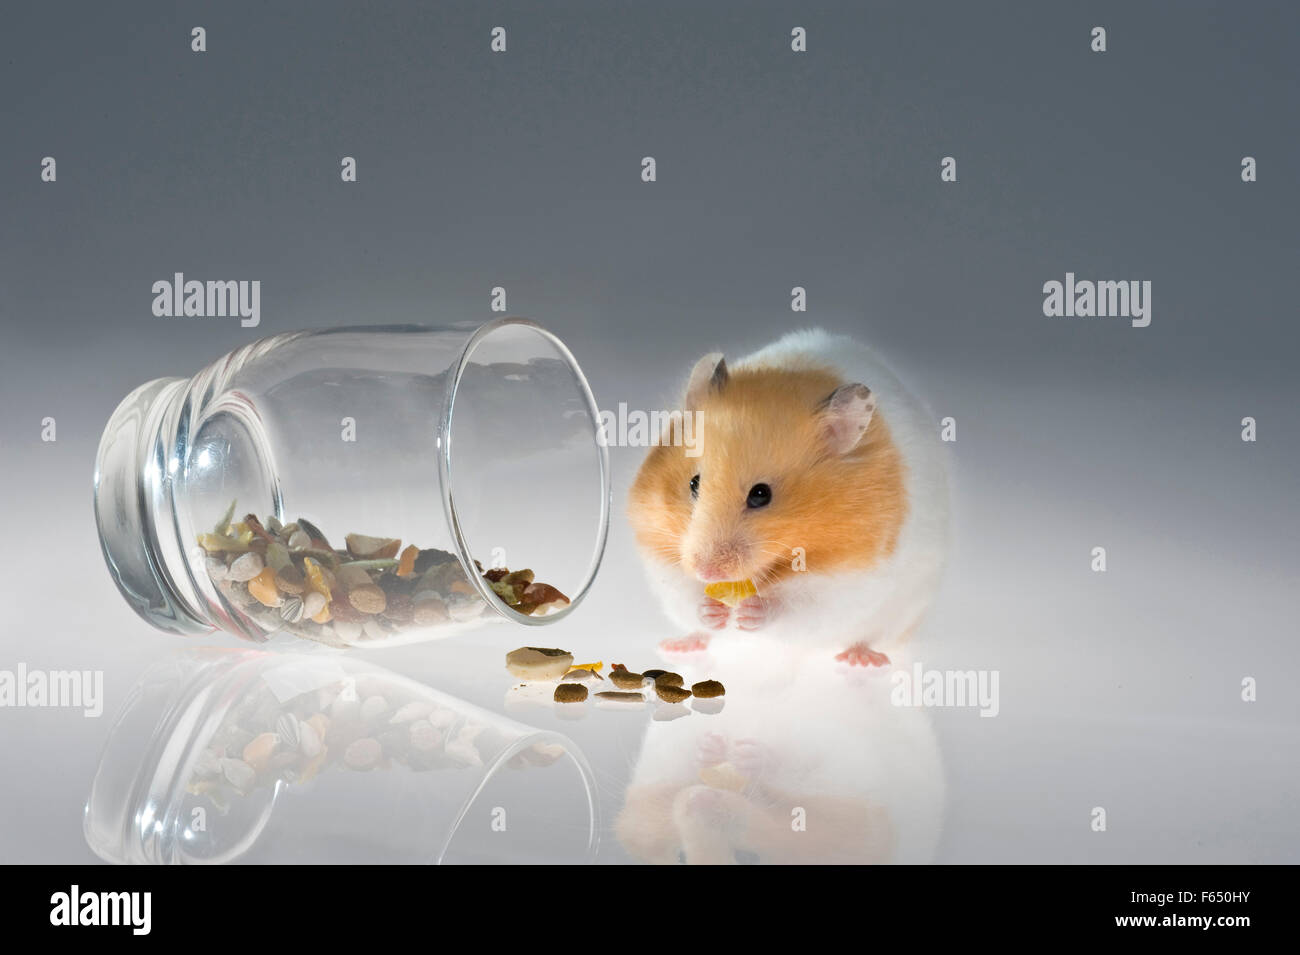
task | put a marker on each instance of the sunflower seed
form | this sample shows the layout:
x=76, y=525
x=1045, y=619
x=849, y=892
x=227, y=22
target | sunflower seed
x=291, y=609
x=288, y=729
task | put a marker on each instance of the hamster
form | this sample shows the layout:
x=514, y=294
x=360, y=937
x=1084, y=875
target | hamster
x=814, y=474
x=800, y=767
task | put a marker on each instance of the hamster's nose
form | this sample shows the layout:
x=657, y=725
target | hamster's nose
x=710, y=572
x=722, y=563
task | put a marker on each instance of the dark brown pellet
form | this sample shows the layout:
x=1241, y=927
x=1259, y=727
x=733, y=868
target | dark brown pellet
x=708, y=689
x=671, y=694
x=570, y=693
x=624, y=678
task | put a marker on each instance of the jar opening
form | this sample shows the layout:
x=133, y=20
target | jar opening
x=524, y=472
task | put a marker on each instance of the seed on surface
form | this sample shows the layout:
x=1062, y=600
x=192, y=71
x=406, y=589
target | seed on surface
x=299, y=540
x=671, y=694
x=620, y=696
x=570, y=693
x=625, y=679
x=708, y=689
x=536, y=663
x=667, y=678
x=246, y=567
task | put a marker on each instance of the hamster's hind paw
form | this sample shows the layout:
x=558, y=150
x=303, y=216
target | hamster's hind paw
x=692, y=643
x=861, y=655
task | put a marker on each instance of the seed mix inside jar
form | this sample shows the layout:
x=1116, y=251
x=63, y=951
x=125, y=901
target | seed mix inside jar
x=289, y=577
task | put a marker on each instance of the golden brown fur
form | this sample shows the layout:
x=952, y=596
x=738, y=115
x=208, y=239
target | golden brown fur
x=764, y=426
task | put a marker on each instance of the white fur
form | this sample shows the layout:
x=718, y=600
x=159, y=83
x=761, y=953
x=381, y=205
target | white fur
x=825, y=735
x=880, y=606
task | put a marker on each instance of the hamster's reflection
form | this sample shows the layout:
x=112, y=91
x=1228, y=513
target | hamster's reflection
x=247, y=756
x=805, y=764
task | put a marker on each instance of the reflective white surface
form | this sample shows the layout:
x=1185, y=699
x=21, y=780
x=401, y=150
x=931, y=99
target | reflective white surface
x=1118, y=690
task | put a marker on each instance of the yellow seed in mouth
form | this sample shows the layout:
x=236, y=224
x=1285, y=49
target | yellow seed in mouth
x=731, y=592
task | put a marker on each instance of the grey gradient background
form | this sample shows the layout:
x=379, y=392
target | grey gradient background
x=775, y=169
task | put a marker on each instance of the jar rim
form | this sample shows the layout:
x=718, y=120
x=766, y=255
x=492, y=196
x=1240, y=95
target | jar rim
x=444, y=466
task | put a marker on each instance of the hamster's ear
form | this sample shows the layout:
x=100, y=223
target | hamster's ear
x=709, y=373
x=845, y=416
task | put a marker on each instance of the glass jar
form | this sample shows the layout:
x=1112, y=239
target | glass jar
x=238, y=755
x=371, y=485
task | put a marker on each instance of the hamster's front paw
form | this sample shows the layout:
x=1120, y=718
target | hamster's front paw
x=861, y=655
x=712, y=749
x=714, y=613
x=753, y=613
x=751, y=758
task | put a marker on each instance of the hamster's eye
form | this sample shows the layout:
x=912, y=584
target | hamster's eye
x=745, y=857
x=695, y=486
x=760, y=495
